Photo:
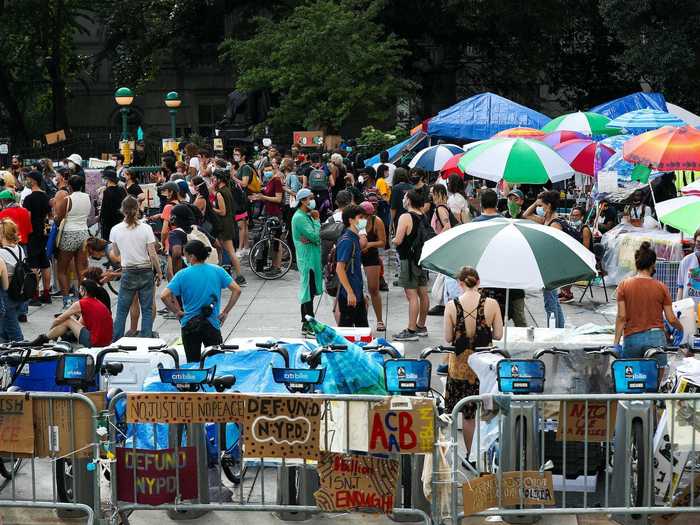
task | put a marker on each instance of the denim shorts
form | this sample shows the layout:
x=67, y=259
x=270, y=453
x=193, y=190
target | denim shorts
x=634, y=345
x=84, y=338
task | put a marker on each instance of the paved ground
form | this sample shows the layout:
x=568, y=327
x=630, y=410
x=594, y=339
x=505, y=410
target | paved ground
x=270, y=308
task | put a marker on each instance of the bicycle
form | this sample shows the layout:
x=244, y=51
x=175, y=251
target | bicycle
x=269, y=249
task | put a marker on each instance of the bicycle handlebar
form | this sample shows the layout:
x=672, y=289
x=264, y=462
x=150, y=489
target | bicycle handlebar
x=266, y=345
x=554, y=351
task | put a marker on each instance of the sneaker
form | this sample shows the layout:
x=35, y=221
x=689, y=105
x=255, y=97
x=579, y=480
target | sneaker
x=35, y=302
x=22, y=318
x=163, y=311
x=383, y=285
x=406, y=335
x=39, y=340
x=240, y=281
x=438, y=309
x=422, y=331
x=306, y=331
x=442, y=369
x=566, y=298
x=45, y=298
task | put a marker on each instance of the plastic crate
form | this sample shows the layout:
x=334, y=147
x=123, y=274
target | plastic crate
x=667, y=273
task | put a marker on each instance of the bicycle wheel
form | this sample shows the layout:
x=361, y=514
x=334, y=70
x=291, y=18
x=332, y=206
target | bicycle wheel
x=638, y=467
x=9, y=469
x=520, y=445
x=64, y=480
x=262, y=256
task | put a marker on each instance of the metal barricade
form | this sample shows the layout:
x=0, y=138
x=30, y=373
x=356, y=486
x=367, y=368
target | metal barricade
x=65, y=443
x=576, y=438
x=281, y=486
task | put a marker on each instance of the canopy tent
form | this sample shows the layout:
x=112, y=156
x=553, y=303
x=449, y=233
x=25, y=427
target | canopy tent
x=417, y=141
x=482, y=116
x=687, y=116
x=620, y=106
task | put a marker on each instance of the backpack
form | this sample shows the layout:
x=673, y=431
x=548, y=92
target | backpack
x=330, y=233
x=23, y=284
x=454, y=221
x=422, y=235
x=198, y=235
x=254, y=184
x=330, y=274
x=318, y=180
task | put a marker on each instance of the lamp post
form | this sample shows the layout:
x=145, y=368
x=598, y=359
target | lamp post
x=124, y=97
x=172, y=100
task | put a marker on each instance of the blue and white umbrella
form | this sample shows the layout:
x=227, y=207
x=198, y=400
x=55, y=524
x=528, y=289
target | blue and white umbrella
x=645, y=120
x=434, y=157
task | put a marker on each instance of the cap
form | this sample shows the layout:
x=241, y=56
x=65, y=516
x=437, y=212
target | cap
x=182, y=184
x=172, y=186
x=7, y=195
x=368, y=207
x=517, y=193
x=303, y=193
x=35, y=176
x=75, y=159
x=110, y=174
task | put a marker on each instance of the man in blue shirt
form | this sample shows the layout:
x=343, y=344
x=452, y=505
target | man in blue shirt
x=348, y=256
x=199, y=289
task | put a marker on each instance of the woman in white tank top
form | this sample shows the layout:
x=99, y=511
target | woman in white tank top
x=73, y=212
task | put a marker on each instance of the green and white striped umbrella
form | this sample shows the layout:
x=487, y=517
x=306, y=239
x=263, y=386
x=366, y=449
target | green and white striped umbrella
x=510, y=253
x=682, y=213
x=585, y=122
x=517, y=161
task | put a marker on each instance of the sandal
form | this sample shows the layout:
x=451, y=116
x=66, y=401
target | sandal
x=381, y=327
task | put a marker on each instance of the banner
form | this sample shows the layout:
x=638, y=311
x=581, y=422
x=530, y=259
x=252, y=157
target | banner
x=353, y=482
x=282, y=427
x=307, y=139
x=184, y=407
x=402, y=425
x=153, y=475
x=16, y=424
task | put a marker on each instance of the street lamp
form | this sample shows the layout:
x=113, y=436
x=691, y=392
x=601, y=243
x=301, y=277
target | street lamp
x=124, y=97
x=172, y=100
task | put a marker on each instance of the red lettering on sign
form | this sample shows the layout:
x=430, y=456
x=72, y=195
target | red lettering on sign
x=407, y=437
x=378, y=433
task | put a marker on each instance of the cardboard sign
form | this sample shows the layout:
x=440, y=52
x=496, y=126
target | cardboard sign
x=16, y=424
x=184, y=407
x=307, y=139
x=600, y=426
x=156, y=478
x=402, y=425
x=352, y=482
x=528, y=488
x=55, y=136
x=282, y=427
x=55, y=434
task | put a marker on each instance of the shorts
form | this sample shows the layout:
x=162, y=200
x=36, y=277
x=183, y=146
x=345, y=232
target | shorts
x=352, y=315
x=73, y=241
x=412, y=276
x=36, y=252
x=241, y=216
x=371, y=258
x=84, y=338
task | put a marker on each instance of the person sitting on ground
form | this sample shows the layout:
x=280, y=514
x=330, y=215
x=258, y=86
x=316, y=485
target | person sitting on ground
x=88, y=319
x=97, y=274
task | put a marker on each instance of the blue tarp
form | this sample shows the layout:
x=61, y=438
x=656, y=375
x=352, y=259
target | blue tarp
x=481, y=116
x=620, y=106
x=397, y=150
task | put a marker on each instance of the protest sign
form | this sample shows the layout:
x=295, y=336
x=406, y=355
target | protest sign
x=152, y=474
x=16, y=424
x=184, y=407
x=601, y=426
x=282, y=427
x=353, y=482
x=517, y=488
x=405, y=425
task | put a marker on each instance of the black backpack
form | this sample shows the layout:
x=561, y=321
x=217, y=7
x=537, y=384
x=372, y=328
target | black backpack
x=453, y=220
x=23, y=284
x=423, y=234
x=330, y=233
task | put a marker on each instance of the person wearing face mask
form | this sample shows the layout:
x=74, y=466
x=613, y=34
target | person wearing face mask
x=398, y=193
x=271, y=194
x=642, y=303
x=224, y=209
x=577, y=229
x=635, y=212
x=351, y=298
x=516, y=200
x=689, y=273
x=544, y=211
x=306, y=234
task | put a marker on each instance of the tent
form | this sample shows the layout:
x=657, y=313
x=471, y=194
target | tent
x=687, y=116
x=481, y=116
x=418, y=140
x=620, y=106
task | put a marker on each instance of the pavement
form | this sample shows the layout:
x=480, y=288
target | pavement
x=271, y=308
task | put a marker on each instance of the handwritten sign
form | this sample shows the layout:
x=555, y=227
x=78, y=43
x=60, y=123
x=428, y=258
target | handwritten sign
x=156, y=478
x=352, y=482
x=402, y=425
x=16, y=424
x=184, y=407
x=600, y=426
x=526, y=488
x=282, y=427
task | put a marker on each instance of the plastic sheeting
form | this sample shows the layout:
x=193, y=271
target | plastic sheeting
x=481, y=116
x=628, y=103
x=418, y=141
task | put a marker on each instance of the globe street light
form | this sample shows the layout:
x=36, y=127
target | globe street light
x=124, y=97
x=172, y=100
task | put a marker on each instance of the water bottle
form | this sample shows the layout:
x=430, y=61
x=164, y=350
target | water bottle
x=552, y=321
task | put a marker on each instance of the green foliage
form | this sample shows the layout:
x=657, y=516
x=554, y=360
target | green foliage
x=373, y=139
x=322, y=62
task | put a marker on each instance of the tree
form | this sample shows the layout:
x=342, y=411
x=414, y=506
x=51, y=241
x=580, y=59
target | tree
x=322, y=62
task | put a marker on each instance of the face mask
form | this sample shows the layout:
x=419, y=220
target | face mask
x=697, y=251
x=575, y=224
x=311, y=204
x=513, y=208
x=237, y=158
x=539, y=211
x=361, y=224
x=267, y=176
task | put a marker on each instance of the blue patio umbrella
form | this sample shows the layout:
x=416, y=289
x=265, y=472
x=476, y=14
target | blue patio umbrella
x=641, y=120
x=435, y=157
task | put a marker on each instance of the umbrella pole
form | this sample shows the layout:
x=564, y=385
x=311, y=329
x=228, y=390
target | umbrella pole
x=653, y=199
x=505, y=321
